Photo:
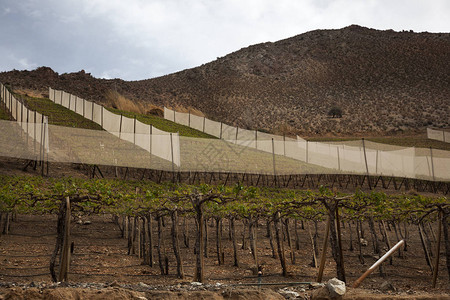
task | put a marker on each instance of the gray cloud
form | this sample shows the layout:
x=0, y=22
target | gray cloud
x=139, y=39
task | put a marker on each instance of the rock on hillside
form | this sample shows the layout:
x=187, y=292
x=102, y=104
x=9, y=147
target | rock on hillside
x=384, y=82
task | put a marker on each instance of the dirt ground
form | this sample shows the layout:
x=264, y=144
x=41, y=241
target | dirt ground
x=100, y=266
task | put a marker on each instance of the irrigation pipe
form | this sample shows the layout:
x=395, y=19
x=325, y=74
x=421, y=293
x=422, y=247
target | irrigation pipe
x=377, y=263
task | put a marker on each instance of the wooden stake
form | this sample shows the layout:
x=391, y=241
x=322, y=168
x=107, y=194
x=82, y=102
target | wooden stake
x=377, y=263
x=438, y=249
x=324, y=251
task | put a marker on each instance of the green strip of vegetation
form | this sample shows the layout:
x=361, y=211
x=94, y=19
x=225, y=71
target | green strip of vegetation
x=164, y=124
x=57, y=114
x=61, y=116
x=4, y=115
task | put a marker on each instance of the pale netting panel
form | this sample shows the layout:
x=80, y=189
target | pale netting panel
x=111, y=122
x=212, y=127
x=435, y=134
x=88, y=110
x=169, y=114
x=65, y=99
x=127, y=130
x=323, y=155
x=79, y=106
x=228, y=132
x=165, y=145
x=441, y=164
x=101, y=148
x=221, y=156
x=51, y=94
x=143, y=136
x=14, y=143
x=57, y=96
x=25, y=114
x=19, y=111
x=246, y=138
x=446, y=136
x=13, y=108
x=182, y=118
x=351, y=160
x=72, y=102
x=295, y=149
x=265, y=142
x=197, y=122
x=97, y=113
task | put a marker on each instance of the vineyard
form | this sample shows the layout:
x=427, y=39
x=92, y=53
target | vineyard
x=168, y=230
x=177, y=233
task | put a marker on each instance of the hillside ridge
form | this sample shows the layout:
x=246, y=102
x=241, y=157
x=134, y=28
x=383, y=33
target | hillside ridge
x=385, y=82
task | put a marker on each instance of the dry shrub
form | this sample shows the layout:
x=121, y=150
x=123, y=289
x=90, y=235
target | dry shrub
x=189, y=109
x=119, y=101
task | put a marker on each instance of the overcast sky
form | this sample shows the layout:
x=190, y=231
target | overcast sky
x=140, y=39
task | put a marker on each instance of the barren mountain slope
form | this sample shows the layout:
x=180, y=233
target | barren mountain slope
x=384, y=81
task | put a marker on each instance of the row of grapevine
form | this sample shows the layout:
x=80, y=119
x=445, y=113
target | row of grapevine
x=144, y=209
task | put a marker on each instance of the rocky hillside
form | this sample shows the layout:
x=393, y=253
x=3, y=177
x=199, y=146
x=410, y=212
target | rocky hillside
x=384, y=82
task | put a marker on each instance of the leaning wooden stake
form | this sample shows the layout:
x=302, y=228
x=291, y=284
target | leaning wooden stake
x=324, y=251
x=65, y=254
x=376, y=264
x=438, y=249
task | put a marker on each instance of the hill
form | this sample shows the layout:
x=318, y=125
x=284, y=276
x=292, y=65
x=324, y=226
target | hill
x=385, y=82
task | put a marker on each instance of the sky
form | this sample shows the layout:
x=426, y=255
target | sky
x=141, y=39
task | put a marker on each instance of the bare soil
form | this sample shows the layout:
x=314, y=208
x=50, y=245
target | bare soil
x=100, y=266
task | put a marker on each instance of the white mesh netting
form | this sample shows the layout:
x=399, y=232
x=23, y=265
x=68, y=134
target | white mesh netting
x=439, y=135
x=354, y=157
x=161, y=144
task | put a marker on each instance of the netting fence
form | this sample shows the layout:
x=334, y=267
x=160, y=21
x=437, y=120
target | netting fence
x=159, y=143
x=438, y=135
x=302, y=157
x=29, y=130
x=129, y=143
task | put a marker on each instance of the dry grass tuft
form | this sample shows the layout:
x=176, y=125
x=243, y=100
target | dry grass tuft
x=189, y=109
x=116, y=100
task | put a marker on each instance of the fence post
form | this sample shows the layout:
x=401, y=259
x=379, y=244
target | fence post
x=273, y=159
x=134, y=129
x=338, y=158
x=151, y=132
x=367, y=166
x=101, y=111
x=306, y=154
x=221, y=126
x=432, y=164
x=120, y=125
x=189, y=118
x=92, y=111
x=236, y=139
x=171, y=153
x=256, y=139
x=204, y=118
